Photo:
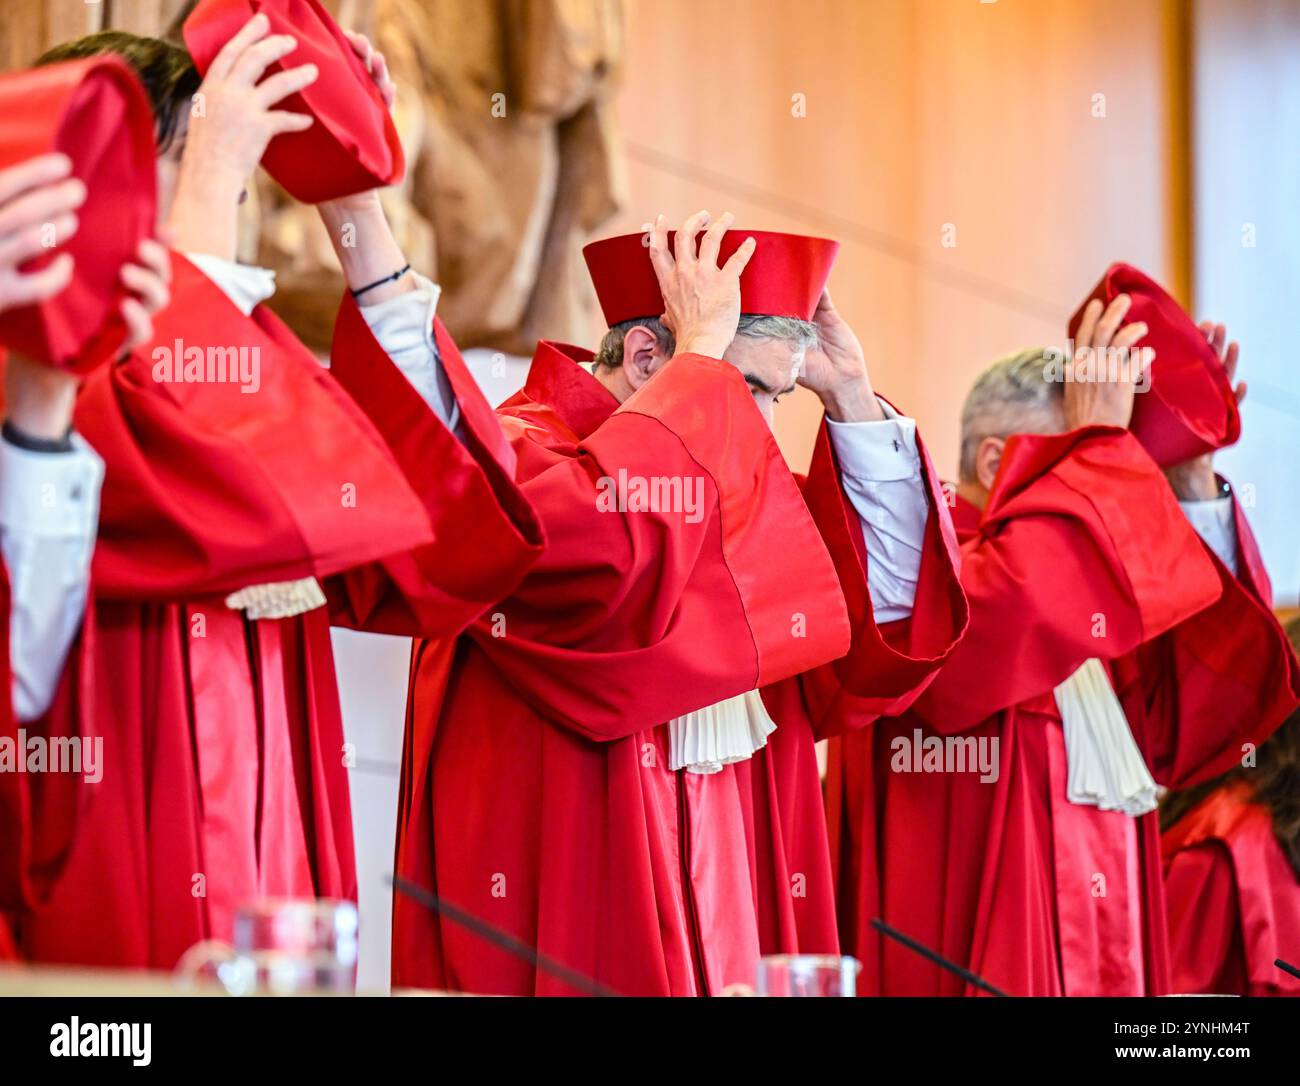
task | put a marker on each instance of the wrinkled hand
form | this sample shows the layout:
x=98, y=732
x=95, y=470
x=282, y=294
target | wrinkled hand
x=1194, y=480
x=837, y=368
x=38, y=211
x=1104, y=371
x=701, y=300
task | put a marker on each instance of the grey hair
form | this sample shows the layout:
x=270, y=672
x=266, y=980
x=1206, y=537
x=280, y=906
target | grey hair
x=801, y=335
x=610, y=352
x=1003, y=395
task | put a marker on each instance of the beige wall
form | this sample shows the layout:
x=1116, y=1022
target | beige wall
x=1246, y=111
x=920, y=113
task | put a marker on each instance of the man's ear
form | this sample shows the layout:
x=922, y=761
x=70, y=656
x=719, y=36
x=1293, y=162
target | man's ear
x=640, y=356
x=988, y=458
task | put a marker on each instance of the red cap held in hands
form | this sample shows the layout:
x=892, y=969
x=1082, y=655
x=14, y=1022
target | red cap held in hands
x=1190, y=408
x=353, y=146
x=784, y=278
x=95, y=112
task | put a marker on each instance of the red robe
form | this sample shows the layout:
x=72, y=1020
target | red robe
x=38, y=810
x=1082, y=552
x=225, y=767
x=536, y=790
x=1233, y=897
x=885, y=670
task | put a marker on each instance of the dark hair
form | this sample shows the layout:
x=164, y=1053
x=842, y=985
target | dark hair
x=167, y=71
x=1275, y=780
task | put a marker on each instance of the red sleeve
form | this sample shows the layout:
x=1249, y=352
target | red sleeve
x=634, y=616
x=1072, y=561
x=230, y=454
x=484, y=532
x=1204, y=926
x=887, y=667
x=1217, y=684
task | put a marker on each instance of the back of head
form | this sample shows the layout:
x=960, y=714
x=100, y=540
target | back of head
x=1014, y=395
x=165, y=69
x=801, y=335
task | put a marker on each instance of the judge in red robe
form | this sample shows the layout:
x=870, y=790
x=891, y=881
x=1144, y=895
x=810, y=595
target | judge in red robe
x=241, y=515
x=1232, y=872
x=580, y=768
x=49, y=488
x=1007, y=822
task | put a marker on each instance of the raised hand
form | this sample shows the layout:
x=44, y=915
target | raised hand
x=1227, y=353
x=701, y=300
x=363, y=208
x=1194, y=480
x=38, y=211
x=230, y=127
x=1104, y=371
x=375, y=64
x=148, y=280
x=39, y=399
x=837, y=369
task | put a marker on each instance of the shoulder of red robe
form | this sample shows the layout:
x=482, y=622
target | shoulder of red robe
x=760, y=510
x=1189, y=408
x=234, y=458
x=95, y=112
x=1217, y=817
x=381, y=391
x=353, y=146
x=784, y=278
x=1029, y=457
x=1104, y=476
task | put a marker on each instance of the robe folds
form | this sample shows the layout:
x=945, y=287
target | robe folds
x=38, y=810
x=225, y=768
x=1082, y=553
x=536, y=788
x=885, y=670
x=1234, y=898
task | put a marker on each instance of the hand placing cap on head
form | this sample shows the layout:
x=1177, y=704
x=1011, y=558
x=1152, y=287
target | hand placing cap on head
x=353, y=146
x=96, y=114
x=784, y=278
x=1190, y=408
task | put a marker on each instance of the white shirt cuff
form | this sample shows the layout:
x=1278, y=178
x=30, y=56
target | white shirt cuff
x=403, y=326
x=880, y=471
x=407, y=319
x=877, y=452
x=49, y=514
x=1215, y=523
x=246, y=285
x=50, y=495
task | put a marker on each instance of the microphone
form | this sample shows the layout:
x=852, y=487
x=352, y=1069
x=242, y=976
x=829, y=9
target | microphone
x=938, y=959
x=500, y=939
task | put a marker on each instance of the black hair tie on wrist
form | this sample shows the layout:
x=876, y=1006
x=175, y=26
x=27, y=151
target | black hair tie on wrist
x=24, y=440
x=381, y=282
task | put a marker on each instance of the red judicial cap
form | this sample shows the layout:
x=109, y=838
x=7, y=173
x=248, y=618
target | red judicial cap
x=353, y=146
x=95, y=112
x=784, y=278
x=1190, y=408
